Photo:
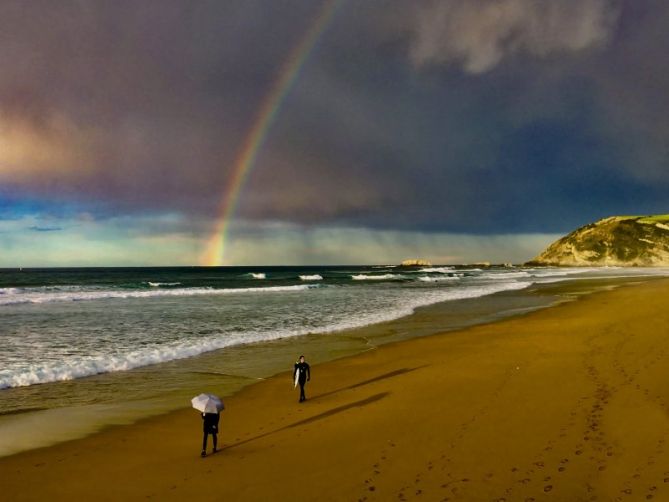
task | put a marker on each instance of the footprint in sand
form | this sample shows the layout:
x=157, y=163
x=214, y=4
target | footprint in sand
x=548, y=488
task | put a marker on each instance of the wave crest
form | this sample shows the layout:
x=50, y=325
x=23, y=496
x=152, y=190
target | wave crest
x=313, y=277
x=382, y=277
x=27, y=296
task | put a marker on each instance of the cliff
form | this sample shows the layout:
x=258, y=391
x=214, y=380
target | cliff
x=639, y=241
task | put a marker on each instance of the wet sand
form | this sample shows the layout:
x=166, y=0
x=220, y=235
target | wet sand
x=568, y=403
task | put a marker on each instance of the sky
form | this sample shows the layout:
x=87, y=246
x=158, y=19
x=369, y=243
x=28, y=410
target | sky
x=456, y=131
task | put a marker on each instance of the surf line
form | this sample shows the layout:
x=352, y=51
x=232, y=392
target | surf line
x=288, y=74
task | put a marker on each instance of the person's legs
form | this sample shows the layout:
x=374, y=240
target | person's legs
x=302, y=396
x=204, y=444
x=215, y=438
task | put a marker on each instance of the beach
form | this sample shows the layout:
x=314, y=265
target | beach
x=567, y=403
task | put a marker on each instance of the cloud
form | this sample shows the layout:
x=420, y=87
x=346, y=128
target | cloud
x=167, y=241
x=284, y=244
x=81, y=241
x=479, y=34
x=134, y=115
x=36, y=228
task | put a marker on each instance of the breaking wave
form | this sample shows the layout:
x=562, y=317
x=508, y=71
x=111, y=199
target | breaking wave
x=39, y=296
x=71, y=367
x=381, y=277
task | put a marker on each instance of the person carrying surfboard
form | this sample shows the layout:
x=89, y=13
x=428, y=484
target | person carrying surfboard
x=302, y=375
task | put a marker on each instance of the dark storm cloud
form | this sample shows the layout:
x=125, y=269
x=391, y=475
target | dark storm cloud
x=508, y=123
x=478, y=116
x=138, y=103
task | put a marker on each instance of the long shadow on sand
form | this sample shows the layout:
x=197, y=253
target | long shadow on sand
x=390, y=374
x=320, y=416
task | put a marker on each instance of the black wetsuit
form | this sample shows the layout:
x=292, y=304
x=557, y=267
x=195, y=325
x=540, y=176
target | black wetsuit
x=305, y=375
x=209, y=426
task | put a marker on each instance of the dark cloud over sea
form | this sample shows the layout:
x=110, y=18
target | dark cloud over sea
x=473, y=116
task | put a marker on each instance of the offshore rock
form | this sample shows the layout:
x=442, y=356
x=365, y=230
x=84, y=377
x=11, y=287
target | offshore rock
x=416, y=263
x=625, y=241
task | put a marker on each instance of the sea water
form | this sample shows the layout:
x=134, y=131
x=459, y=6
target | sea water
x=83, y=341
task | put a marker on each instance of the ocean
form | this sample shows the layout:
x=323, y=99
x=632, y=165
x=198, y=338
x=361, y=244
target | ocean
x=120, y=343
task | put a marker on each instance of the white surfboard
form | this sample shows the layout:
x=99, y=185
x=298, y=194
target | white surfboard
x=297, y=378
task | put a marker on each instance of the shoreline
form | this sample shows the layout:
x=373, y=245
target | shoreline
x=63, y=424
x=458, y=389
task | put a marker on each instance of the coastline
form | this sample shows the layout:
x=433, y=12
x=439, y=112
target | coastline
x=566, y=400
x=81, y=407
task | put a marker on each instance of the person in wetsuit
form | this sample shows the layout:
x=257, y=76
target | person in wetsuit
x=304, y=375
x=210, y=426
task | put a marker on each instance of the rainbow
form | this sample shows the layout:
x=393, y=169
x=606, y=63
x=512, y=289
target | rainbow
x=271, y=105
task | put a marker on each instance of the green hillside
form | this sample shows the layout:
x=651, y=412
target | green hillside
x=615, y=241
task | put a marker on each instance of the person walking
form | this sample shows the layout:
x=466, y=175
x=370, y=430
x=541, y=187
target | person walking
x=210, y=426
x=303, y=374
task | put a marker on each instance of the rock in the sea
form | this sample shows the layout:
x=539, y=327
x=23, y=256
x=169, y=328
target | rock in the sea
x=638, y=241
x=416, y=263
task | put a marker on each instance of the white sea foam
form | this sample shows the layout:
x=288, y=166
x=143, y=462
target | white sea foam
x=381, y=277
x=39, y=296
x=439, y=270
x=442, y=278
x=71, y=367
x=160, y=284
x=504, y=275
x=259, y=275
x=313, y=277
x=80, y=349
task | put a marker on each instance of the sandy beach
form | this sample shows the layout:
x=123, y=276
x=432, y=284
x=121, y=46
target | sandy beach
x=567, y=403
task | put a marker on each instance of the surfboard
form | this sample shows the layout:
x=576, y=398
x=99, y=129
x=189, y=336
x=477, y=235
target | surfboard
x=297, y=378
